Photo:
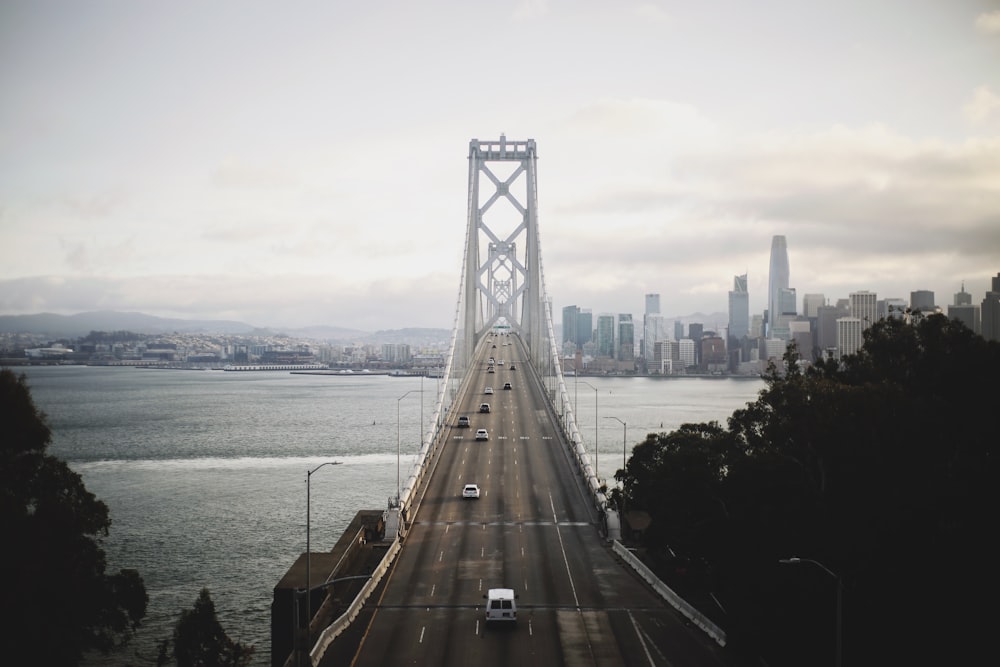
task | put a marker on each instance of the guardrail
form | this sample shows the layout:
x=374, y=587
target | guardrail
x=333, y=630
x=676, y=601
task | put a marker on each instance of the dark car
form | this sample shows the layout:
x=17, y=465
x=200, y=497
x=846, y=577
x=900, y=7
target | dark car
x=506, y=385
x=484, y=407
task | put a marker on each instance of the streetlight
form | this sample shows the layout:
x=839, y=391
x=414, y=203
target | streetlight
x=795, y=560
x=398, y=488
x=308, y=519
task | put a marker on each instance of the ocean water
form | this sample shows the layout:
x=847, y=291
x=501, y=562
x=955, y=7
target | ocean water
x=205, y=472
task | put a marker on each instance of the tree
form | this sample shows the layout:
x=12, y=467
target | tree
x=882, y=466
x=60, y=603
x=200, y=641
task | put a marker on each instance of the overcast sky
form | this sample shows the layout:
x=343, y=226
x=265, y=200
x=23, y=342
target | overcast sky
x=297, y=163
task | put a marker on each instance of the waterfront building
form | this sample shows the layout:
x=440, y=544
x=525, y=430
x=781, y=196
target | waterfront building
x=626, y=337
x=739, y=308
x=652, y=332
x=678, y=330
x=569, y=322
x=686, y=353
x=777, y=278
x=584, y=327
x=605, y=335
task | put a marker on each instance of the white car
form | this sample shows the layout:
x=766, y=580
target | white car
x=482, y=434
x=489, y=390
x=470, y=491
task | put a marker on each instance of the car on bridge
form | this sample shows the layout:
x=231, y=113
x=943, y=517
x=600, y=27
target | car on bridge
x=489, y=390
x=470, y=491
x=490, y=370
x=506, y=385
x=482, y=434
x=484, y=407
x=513, y=367
x=501, y=605
x=463, y=422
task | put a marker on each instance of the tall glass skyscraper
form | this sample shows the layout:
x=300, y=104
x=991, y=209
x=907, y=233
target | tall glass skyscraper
x=777, y=280
x=739, y=308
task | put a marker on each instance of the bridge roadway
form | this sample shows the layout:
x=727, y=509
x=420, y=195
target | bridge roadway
x=533, y=530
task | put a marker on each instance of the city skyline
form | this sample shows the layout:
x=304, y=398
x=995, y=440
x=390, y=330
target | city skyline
x=307, y=166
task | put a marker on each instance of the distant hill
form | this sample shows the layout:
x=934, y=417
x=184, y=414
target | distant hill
x=74, y=326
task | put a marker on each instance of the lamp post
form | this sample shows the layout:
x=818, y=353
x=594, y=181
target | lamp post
x=839, y=649
x=398, y=400
x=308, y=520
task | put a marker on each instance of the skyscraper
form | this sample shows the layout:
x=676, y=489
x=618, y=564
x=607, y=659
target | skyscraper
x=991, y=311
x=652, y=325
x=864, y=308
x=605, y=335
x=584, y=327
x=569, y=315
x=626, y=337
x=922, y=300
x=777, y=279
x=739, y=308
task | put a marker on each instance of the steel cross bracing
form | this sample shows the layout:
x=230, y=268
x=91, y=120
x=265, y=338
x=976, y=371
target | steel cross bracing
x=502, y=285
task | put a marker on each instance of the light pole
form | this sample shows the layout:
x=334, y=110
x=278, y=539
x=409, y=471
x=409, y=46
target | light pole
x=839, y=654
x=595, y=425
x=308, y=520
x=398, y=400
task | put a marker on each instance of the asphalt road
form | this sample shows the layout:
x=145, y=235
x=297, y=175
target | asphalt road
x=532, y=530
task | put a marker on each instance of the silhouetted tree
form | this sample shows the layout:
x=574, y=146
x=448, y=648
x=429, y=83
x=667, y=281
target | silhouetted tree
x=200, y=641
x=882, y=466
x=59, y=602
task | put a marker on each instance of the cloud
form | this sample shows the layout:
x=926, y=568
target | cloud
x=649, y=11
x=984, y=105
x=989, y=23
x=527, y=10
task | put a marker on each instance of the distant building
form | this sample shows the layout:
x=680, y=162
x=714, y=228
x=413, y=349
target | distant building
x=922, y=300
x=777, y=279
x=626, y=337
x=606, y=335
x=849, y=335
x=569, y=329
x=584, y=327
x=811, y=304
x=990, y=309
x=863, y=307
x=739, y=308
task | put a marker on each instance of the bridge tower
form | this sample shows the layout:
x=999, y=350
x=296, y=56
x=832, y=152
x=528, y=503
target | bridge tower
x=503, y=275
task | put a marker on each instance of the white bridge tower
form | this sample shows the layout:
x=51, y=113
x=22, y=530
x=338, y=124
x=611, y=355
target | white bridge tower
x=503, y=275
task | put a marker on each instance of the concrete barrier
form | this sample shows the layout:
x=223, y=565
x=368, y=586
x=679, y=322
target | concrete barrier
x=676, y=601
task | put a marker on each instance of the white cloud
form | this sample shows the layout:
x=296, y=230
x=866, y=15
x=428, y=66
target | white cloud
x=984, y=105
x=989, y=23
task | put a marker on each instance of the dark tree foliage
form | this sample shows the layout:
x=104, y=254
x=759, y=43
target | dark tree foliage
x=200, y=641
x=881, y=466
x=59, y=603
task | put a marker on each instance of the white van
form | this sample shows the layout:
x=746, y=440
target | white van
x=501, y=605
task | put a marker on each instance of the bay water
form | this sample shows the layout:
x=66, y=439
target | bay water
x=205, y=472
